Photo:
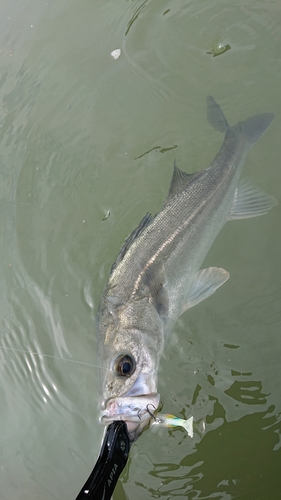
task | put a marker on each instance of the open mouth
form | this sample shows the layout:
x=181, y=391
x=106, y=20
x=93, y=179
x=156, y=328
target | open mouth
x=135, y=411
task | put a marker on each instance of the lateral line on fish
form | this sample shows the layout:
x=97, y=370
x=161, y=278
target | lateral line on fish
x=48, y=356
x=157, y=275
x=162, y=247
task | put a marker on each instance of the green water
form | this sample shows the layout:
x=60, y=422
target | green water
x=87, y=148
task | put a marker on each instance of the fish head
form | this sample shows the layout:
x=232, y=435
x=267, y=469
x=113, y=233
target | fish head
x=128, y=383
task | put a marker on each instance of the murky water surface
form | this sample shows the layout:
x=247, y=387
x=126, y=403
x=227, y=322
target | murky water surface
x=87, y=148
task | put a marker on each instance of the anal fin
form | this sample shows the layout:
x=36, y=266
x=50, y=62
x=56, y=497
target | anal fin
x=205, y=283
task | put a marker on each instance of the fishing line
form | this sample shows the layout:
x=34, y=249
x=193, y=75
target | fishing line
x=49, y=356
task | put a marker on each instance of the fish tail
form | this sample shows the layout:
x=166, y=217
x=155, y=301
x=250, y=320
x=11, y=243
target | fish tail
x=254, y=127
x=215, y=115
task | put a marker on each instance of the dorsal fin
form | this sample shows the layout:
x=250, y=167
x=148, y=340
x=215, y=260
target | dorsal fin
x=215, y=115
x=179, y=180
x=146, y=220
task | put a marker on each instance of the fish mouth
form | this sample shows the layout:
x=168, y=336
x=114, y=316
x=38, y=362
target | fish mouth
x=135, y=411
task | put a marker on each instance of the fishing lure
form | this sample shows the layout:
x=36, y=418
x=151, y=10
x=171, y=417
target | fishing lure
x=168, y=420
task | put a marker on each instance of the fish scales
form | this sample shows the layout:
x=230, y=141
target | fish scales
x=181, y=224
x=157, y=275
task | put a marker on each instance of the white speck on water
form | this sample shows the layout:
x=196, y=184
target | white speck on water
x=116, y=53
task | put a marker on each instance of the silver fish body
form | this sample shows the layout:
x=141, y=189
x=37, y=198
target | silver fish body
x=157, y=275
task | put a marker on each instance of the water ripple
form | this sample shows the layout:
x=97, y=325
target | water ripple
x=167, y=43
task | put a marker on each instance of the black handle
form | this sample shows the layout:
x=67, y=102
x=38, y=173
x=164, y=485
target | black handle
x=111, y=461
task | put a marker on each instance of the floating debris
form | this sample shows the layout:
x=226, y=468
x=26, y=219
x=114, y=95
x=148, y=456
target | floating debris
x=219, y=50
x=116, y=53
x=107, y=215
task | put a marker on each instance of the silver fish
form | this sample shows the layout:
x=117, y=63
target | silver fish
x=157, y=275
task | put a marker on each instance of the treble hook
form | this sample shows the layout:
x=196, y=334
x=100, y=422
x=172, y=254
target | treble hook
x=149, y=412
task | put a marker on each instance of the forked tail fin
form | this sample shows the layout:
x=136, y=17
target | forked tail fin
x=252, y=128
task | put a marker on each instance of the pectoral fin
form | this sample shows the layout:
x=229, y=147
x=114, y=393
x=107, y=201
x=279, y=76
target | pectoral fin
x=205, y=283
x=250, y=201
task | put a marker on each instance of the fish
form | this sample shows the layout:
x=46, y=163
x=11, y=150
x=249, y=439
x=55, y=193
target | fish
x=157, y=275
x=168, y=420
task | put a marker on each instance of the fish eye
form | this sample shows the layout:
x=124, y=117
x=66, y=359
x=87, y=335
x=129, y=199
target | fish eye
x=124, y=365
